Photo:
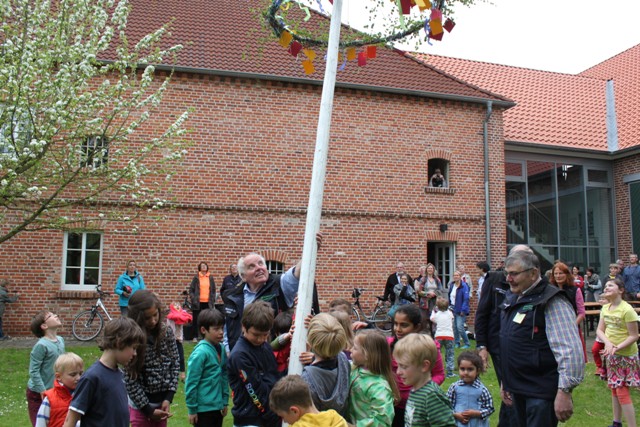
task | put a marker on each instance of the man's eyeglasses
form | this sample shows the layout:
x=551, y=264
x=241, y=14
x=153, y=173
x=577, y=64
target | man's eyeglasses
x=514, y=274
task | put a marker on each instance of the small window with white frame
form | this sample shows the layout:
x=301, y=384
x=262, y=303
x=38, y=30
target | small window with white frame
x=95, y=151
x=275, y=267
x=82, y=260
x=15, y=131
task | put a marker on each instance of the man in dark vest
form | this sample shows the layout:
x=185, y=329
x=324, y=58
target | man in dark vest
x=541, y=352
x=258, y=284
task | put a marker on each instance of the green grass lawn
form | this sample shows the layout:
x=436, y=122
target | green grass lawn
x=592, y=399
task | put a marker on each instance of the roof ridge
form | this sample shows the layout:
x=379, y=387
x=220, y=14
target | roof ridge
x=610, y=58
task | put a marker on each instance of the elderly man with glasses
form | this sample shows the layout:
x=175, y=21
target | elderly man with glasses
x=542, y=359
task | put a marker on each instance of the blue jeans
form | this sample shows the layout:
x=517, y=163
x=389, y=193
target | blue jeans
x=458, y=329
x=530, y=411
x=449, y=355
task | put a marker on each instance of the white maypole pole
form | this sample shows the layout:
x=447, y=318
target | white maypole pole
x=314, y=209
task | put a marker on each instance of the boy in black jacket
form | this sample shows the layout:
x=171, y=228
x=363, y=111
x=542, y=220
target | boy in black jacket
x=253, y=370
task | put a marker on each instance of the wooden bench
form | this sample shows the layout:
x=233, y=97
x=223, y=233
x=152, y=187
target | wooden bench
x=592, y=309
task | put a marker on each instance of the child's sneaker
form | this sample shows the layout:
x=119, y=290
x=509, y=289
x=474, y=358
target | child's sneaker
x=450, y=375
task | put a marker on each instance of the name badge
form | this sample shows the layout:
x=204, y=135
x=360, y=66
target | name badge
x=519, y=317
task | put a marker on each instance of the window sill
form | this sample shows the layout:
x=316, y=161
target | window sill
x=66, y=294
x=439, y=190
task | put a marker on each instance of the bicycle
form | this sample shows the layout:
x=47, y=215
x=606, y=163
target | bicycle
x=89, y=323
x=379, y=313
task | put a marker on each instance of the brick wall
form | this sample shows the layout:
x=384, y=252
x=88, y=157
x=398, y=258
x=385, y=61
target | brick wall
x=244, y=187
x=622, y=168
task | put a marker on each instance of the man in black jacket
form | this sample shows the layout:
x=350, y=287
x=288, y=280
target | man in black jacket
x=393, y=280
x=487, y=326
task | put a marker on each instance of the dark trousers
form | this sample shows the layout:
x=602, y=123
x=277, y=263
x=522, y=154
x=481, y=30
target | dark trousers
x=506, y=416
x=196, y=313
x=398, y=417
x=34, y=400
x=1, y=331
x=533, y=412
x=209, y=419
x=180, y=355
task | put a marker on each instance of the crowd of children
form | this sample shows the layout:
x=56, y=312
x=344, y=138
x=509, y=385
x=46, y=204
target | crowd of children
x=357, y=379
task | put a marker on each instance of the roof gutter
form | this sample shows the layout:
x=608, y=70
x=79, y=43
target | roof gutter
x=487, y=210
x=356, y=86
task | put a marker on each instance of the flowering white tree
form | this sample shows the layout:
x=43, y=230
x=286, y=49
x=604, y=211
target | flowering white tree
x=72, y=94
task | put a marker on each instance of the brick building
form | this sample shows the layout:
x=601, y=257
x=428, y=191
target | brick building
x=244, y=184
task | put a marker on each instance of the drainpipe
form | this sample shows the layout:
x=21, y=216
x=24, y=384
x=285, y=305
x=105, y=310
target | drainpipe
x=487, y=213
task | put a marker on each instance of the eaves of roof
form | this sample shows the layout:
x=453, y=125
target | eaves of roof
x=228, y=37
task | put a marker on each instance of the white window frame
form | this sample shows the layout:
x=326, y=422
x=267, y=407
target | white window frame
x=63, y=279
x=275, y=267
x=100, y=146
x=20, y=126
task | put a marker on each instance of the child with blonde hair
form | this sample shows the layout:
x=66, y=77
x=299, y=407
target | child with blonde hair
x=373, y=386
x=291, y=400
x=427, y=405
x=345, y=321
x=53, y=411
x=443, y=319
x=328, y=374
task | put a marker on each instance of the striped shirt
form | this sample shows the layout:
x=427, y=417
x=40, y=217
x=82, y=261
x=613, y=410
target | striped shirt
x=428, y=406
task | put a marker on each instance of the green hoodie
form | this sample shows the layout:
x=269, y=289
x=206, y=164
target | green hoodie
x=207, y=385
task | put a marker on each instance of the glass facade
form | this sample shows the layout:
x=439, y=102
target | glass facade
x=562, y=209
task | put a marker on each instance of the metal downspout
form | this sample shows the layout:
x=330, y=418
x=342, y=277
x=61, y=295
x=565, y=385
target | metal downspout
x=487, y=213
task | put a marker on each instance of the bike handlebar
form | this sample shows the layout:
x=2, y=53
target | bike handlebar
x=358, y=291
x=100, y=291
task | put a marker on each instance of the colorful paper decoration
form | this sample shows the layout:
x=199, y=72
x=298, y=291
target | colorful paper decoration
x=436, y=27
x=448, y=25
x=371, y=52
x=295, y=48
x=308, y=67
x=309, y=53
x=351, y=53
x=285, y=39
x=423, y=4
x=362, y=59
x=294, y=43
x=406, y=6
x=436, y=36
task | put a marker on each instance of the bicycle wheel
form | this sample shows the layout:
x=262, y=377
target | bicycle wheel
x=87, y=325
x=355, y=314
x=381, y=319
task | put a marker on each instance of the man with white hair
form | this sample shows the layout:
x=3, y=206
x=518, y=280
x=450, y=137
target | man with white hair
x=258, y=284
x=487, y=326
x=541, y=351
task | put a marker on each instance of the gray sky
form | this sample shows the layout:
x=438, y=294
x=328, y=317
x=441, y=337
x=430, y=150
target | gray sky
x=564, y=36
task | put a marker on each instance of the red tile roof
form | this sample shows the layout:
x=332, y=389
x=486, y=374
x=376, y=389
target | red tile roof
x=556, y=109
x=624, y=69
x=230, y=36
